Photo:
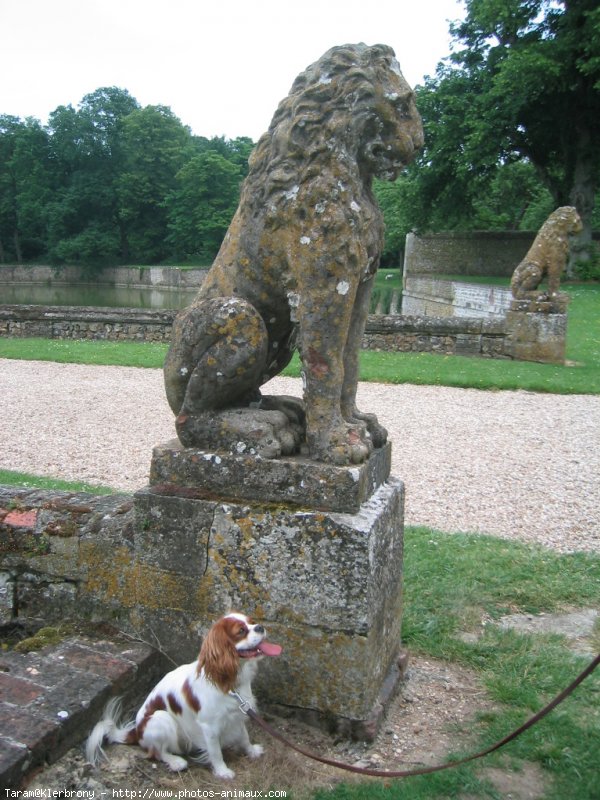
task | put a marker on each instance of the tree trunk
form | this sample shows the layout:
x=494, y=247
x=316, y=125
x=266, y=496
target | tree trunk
x=18, y=251
x=582, y=196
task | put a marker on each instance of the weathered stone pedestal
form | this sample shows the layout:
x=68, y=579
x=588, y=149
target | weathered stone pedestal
x=538, y=329
x=312, y=550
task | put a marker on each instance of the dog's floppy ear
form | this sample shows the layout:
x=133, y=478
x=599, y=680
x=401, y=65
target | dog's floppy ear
x=218, y=656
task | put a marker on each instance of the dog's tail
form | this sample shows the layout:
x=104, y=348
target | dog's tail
x=109, y=729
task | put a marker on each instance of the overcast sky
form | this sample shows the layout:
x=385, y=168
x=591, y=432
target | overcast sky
x=222, y=66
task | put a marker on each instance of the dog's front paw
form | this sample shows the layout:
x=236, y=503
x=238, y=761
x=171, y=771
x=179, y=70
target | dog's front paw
x=224, y=772
x=175, y=763
x=255, y=751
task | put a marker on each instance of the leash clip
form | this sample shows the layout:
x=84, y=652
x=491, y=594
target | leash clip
x=245, y=706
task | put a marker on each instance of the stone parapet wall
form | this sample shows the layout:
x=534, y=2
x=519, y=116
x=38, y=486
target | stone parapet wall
x=391, y=333
x=492, y=253
x=446, y=335
x=164, y=277
x=493, y=337
x=81, y=322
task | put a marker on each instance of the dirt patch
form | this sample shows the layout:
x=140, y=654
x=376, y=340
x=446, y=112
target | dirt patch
x=528, y=783
x=432, y=716
x=580, y=627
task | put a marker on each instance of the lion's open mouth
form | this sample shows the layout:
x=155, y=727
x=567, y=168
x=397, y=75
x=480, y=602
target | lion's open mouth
x=262, y=649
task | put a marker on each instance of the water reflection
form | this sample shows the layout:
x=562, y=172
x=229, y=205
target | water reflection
x=93, y=295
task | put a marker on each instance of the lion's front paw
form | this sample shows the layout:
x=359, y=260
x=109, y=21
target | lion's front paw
x=345, y=444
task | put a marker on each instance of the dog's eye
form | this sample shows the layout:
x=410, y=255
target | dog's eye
x=242, y=632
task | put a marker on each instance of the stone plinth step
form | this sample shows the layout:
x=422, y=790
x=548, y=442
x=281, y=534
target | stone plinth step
x=50, y=699
x=193, y=473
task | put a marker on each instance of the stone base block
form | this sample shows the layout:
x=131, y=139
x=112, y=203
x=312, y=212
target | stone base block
x=190, y=472
x=327, y=585
x=536, y=335
x=542, y=304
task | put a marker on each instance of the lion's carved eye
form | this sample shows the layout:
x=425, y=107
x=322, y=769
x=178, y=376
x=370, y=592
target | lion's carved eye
x=403, y=107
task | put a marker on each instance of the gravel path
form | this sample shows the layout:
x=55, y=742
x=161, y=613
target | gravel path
x=516, y=464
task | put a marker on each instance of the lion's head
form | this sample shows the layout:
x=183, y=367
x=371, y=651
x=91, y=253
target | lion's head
x=566, y=219
x=352, y=106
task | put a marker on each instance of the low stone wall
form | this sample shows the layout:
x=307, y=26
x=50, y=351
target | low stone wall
x=165, y=277
x=81, y=322
x=391, y=333
x=445, y=335
x=477, y=336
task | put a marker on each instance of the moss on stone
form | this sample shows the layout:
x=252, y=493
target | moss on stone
x=43, y=638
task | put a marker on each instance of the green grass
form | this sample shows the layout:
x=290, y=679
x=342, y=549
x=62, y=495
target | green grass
x=10, y=478
x=387, y=281
x=452, y=583
x=581, y=376
x=82, y=351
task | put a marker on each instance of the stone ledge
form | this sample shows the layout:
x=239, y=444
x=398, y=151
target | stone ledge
x=541, y=305
x=49, y=700
x=198, y=474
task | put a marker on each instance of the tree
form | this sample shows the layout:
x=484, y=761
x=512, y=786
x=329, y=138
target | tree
x=202, y=205
x=25, y=188
x=155, y=146
x=525, y=88
x=88, y=158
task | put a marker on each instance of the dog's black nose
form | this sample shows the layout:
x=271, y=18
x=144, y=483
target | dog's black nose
x=259, y=629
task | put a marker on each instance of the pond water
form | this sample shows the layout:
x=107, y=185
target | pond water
x=44, y=294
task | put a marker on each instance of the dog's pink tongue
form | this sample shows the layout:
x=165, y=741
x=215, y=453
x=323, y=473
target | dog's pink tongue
x=269, y=649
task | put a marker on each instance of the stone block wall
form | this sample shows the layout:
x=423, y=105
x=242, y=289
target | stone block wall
x=80, y=322
x=165, y=277
x=445, y=335
x=389, y=333
x=493, y=253
x=493, y=337
x=428, y=296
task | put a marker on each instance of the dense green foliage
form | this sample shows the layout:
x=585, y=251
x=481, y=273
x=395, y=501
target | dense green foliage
x=111, y=182
x=512, y=121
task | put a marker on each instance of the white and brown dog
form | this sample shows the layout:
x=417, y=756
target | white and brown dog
x=195, y=708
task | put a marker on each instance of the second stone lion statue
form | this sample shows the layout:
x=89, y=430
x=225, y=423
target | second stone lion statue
x=296, y=268
x=547, y=256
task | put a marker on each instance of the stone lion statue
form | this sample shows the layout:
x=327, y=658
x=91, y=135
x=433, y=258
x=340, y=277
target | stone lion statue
x=296, y=268
x=547, y=256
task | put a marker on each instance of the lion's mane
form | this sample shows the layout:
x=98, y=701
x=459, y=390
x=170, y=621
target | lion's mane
x=311, y=125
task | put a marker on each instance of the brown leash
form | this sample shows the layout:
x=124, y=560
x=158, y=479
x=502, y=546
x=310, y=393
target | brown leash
x=245, y=707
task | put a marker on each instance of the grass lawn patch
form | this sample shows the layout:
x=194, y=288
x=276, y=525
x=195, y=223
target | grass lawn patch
x=455, y=583
x=84, y=351
x=23, y=479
